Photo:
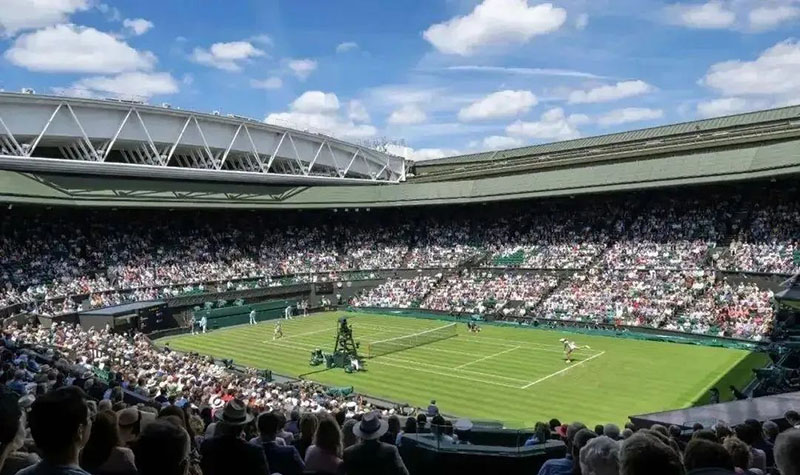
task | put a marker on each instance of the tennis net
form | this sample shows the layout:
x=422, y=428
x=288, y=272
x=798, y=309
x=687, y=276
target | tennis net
x=400, y=343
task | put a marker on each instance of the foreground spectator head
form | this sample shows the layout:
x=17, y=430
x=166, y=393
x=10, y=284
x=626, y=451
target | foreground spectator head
x=308, y=426
x=771, y=430
x=626, y=433
x=131, y=422
x=598, y=429
x=554, y=424
x=411, y=426
x=12, y=422
x=600, y=456
x=793, y=418
x=582, y=437
x=60, y=425
x=268, y=424
x=706, y=435
x=233, y=417
x=371, y=427
x=740, y=452
x=660, y=429
x=645, y=454
x=103, y=439
x=705, y=454
x=348, y=436
x=162, y=449
x=572, y=430
x=787, y=452
x=674, y=431
x=329, y=436
x=611, y=430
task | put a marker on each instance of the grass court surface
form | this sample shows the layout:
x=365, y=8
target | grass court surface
x=516, y=375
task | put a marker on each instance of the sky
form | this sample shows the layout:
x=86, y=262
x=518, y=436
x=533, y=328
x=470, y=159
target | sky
x=430, y=78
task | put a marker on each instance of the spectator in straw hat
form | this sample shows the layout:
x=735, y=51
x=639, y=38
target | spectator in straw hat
x=227, y=452
x=371, y=456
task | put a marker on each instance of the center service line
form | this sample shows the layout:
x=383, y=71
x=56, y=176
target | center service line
x=487, y=357
x=563, y=370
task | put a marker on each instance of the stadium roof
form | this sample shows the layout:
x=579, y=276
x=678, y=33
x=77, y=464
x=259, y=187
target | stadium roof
x=697, y=134
x=124, y=138
x=756, y=146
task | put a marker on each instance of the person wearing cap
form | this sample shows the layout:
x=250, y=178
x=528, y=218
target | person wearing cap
x=131, y=421
x=226, y=452
x=371, y=456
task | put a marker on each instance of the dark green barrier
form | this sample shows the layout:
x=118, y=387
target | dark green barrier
x=240, y=314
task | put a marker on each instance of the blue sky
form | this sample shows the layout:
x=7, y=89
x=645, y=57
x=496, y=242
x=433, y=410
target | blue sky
x=444, y=76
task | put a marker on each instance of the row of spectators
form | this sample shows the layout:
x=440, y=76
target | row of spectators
x=63, y=419
x=689, y=301
x=475, y=292
x=52, y=254
x=750, y=448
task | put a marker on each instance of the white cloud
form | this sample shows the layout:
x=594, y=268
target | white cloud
x=316, y=101
x=725, y=106
x=582, y=21
x=527, y=71
x=421, y=154
x=262, y=39
x=269, y=83
x=137, y=26
x=629, y=114
x=319, y=112
x=226, y=56
x=776, y=72
x=712, y=15
x=499, y=142
x=552, y=125
x=302, y=68
x=357, y=112
x=18, y=15
x=407, y=115
x=70, y=48
x=609, y=93
x=499, y=104
x=134, y=85
x=111, y=13
x=346, y=46
x=764, y=18
x=495, y=22
x=394, y=95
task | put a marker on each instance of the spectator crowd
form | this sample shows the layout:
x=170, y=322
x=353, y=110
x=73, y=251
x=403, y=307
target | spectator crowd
x=82, y=402
x=635, y=257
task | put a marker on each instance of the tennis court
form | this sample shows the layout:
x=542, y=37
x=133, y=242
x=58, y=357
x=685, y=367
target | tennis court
x=513, y=374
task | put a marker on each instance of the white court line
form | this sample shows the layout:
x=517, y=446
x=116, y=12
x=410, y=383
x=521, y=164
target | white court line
x=487, y=357
x=563, y=370
x=382, y=360
x=446, y=368
x=300, y=335
x=449, y=375
x=481, y=339
x=526, y=346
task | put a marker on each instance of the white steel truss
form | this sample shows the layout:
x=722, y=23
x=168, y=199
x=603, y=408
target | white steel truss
x=233, y=145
